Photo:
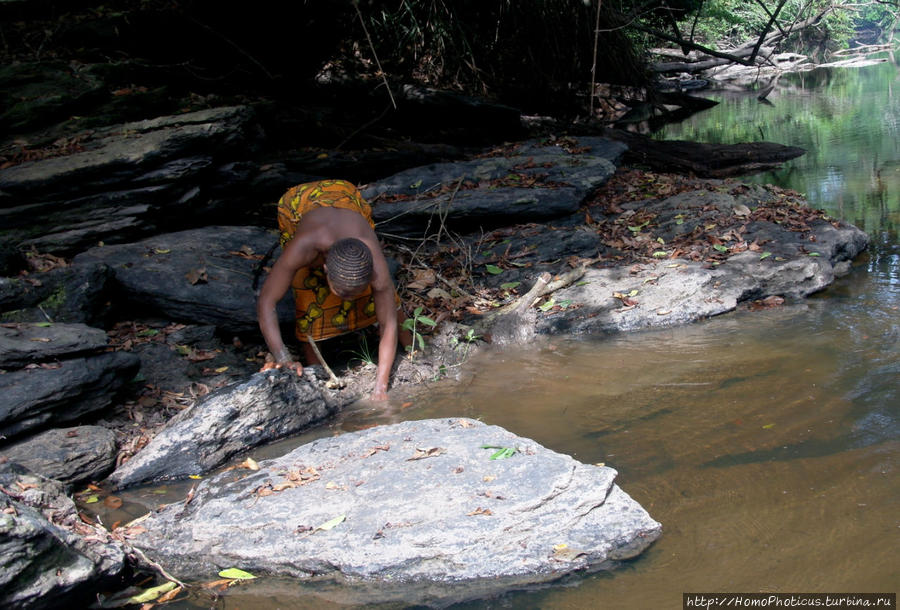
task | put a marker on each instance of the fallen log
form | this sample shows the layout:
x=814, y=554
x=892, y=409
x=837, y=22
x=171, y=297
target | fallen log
x=702, y=159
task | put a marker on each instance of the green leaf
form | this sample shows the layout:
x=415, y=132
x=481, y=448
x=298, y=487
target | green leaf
x=415, y=184
x=43, y=324
x=661, y=240
x=660, y=254
x=679, y=221
x=720, y=248
x=637, y=228
x=236, y=574
x=814, y=254
x=493, y=269
x=150, y=332
x=503, y=453
x=548, y=305
x=583, y=283
x=331, y=523
x=509, y=285
x=765, y=255
x=427, y=321
x=152, y=593
x=91, y=499
x=565, y=303
x=634, y=292
x=161, y=250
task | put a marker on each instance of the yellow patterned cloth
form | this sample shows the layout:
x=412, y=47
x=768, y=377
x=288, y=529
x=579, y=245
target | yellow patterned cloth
x=319, y=312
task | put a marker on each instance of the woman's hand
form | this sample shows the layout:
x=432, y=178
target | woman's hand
x=290, y=365
x=379, y=394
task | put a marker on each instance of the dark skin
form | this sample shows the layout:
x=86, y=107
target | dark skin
x=316, y=232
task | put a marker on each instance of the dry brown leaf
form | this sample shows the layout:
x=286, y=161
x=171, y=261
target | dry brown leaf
x=480, y=511
x=197, y=276
x=249, y=464
x=427, y=452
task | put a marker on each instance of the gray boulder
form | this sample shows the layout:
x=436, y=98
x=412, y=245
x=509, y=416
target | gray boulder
x=48, y=556
x=69, y=455
x=268, y=406
x=65, y=392
x=537, y=182
x=202, y=276
x=417, y=511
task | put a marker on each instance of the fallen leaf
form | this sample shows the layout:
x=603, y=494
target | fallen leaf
x=152, y=593
x=249, y=464
x=422, y=279
x=427, y=452
x=197, y=276
x=236, y=574
x=480, y=511
x=741, y=210
x=331, y=523
x=112, y=502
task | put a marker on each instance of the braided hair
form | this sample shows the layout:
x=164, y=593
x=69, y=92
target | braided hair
x=349, y=264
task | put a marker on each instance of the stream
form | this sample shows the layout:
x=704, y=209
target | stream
x=765, y=442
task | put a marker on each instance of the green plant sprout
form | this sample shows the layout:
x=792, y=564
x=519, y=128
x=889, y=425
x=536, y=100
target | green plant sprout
x=412, y=325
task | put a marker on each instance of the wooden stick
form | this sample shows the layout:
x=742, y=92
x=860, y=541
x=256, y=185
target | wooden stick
x=333, y=382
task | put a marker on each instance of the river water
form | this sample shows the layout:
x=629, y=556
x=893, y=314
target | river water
x=766, y=442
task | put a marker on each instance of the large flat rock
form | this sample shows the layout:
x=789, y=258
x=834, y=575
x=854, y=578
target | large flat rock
x=201, y=276
x=537, y=181
x=417, y=511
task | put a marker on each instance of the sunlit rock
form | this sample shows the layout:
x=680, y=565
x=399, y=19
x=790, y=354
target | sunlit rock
x=423, y=511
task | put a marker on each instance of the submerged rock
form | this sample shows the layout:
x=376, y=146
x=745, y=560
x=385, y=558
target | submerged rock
x=267, y=407
x=422, y=511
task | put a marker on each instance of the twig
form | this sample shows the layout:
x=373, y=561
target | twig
x=451, y=284
x=333, y=382
x=543, y=286
x=372, y=46
x=594, y=65
x=153, y=564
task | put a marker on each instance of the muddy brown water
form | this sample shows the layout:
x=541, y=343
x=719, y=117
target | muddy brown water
x=765, y=442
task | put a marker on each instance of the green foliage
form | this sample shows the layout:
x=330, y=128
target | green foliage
x=527, y=50
x=412, y=325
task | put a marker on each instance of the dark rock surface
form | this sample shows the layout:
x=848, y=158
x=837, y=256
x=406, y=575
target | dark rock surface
x=22, y=344
x=68, y=455
x=268, y=406
x=76, y=387
x=535, y=182
x=69, y=294
x=123, y=181
x=48, y=557
x=416, y=511
x=202, y=276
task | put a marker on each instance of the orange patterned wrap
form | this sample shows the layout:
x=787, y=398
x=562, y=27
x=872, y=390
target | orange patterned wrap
x=319, y=312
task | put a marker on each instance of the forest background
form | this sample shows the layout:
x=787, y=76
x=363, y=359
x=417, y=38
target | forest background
x=541, y=56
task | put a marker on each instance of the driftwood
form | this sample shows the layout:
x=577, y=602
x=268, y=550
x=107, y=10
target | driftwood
x=700, y=159
x=544, y=285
